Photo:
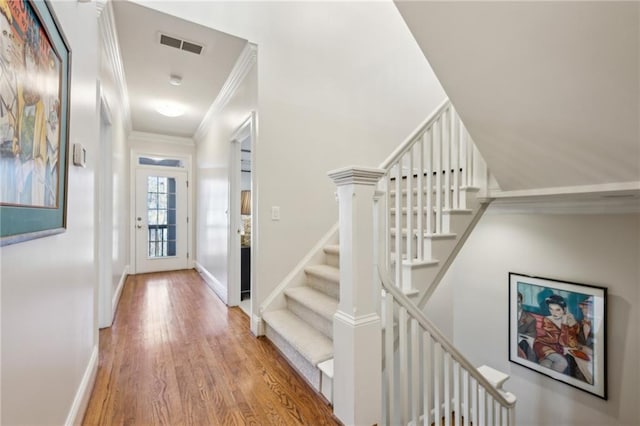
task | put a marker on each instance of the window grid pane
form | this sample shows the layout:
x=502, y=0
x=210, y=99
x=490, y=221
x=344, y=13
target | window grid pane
x=161, y=213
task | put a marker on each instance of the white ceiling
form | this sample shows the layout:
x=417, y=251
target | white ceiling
x=550, y=91
x=148, y=65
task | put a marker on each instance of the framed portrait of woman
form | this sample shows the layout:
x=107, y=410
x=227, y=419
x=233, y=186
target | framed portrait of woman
x=558, y=328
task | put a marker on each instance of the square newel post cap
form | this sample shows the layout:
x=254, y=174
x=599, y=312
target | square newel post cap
x=356, y=175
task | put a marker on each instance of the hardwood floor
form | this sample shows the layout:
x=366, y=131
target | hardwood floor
x=176, y=355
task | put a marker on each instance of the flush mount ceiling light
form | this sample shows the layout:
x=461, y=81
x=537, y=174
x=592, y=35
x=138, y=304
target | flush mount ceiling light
x=175, y=80
x=170, y=109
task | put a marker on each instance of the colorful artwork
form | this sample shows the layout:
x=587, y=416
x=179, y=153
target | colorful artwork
x=34, y=61
x=558, y=328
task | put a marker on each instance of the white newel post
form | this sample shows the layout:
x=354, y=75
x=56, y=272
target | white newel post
x=357, y=336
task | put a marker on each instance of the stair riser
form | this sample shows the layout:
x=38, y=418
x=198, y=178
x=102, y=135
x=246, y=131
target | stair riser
x=332, y=259
x=324, y=285
x=312, y=318
x=308, y=371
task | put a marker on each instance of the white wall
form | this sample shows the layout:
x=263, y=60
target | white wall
x=601, y=250
x=338, y=83
x=49, y=325
x=213, y=153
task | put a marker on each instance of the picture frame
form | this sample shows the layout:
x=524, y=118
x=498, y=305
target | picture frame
x=559, y=329
x=35, y=76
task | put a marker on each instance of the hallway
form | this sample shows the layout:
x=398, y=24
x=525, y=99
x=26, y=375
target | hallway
x=176, y=355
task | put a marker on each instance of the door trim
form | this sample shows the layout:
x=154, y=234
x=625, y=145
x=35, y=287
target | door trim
x=104, y=213
x=247, y=129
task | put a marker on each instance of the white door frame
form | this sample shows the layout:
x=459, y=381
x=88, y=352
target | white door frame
x=247, y=129
x=104, y=213
x=135, y=154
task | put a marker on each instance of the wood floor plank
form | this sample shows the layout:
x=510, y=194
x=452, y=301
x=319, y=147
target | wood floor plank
x=176, y=355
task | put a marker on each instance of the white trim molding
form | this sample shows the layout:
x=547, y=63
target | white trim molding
x=243, y=65
x=109, y=33
x=218, y=288
x=610, y=198
x=118, y=292
x=80, y=402
x=356, y=175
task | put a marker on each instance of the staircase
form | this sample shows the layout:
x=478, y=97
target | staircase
x=303, y=329
x=409, y=218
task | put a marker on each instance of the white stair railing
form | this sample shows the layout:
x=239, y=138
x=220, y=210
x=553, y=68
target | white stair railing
x=426, y=176
x=426, y=380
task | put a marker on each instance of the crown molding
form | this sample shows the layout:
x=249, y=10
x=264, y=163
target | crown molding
x=243, y=65
x=158, y=138
x=107, y=27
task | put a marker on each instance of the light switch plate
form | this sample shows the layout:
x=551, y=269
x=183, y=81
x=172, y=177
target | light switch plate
x=275, y=212
x=79, y=155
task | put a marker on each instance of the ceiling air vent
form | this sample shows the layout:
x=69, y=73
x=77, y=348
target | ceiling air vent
x=177, y=43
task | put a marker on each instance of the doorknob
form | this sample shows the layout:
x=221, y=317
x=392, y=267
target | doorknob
x=139, y=226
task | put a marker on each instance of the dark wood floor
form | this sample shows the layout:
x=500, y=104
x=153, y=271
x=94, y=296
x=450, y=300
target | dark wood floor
x=176, y=355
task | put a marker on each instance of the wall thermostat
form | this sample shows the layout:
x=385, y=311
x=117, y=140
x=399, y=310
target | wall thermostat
x=79, y=155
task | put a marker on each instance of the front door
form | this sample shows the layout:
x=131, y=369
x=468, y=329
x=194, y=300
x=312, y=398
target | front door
x=161, y=220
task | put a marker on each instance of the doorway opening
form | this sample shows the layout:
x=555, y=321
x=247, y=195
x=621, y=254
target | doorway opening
x=242, y=202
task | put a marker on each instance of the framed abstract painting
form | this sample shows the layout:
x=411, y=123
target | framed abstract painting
x=34, y=114
x=559, y=329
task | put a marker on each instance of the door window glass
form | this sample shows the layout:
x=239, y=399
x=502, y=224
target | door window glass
x=161, y=216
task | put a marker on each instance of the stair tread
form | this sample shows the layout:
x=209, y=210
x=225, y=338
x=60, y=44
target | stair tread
x=414, y=262
x=315, y=300
x=331, y=273
x=314, y=346
x=332, y=249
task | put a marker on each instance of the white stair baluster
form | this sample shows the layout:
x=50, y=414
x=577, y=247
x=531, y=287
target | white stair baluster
x=398, y=225
x=456, y=393
x=455, y=156
x=465, y=396
x=427, y=374
x=414, y=373
x=404, y=374
x=409, y=206
x=437, y=154
x=446, y=158
x=437, y=378
x=389, y=340
x=428, y=140
x=420, y=203
x=447, y=389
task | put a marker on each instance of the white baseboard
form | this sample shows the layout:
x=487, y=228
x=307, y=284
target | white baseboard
x=257, y=326
x=118, y=292
x=212, y=282
x=80, y=402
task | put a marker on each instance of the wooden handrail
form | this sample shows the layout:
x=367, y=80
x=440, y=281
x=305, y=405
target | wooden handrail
x=427, y=325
